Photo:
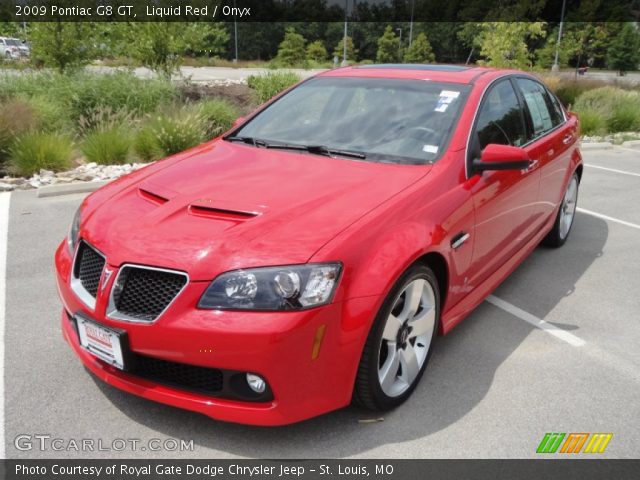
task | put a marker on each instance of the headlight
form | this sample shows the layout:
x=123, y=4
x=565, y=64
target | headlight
x=294, y=287
x=74, y=232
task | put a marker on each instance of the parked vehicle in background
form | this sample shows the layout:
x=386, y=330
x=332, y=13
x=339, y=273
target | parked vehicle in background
x=14, y=48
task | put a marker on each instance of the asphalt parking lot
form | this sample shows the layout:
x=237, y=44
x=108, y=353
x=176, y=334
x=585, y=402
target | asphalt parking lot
x=495, y=385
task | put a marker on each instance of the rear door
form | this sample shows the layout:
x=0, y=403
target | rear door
x=504, y=201
x=552, y=137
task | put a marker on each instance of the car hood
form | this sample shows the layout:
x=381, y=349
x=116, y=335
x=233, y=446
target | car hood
x=226, y=206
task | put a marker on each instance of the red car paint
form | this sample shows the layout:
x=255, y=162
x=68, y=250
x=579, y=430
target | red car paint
x=376, y=219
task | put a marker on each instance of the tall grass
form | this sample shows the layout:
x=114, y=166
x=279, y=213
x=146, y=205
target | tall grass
x=82, y=93
x=619, y=109
x=270, y=84
x=170, y=131
x=216, y=115
x=108, y=145
x=33, y=151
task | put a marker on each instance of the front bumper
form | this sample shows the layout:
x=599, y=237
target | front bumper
x=279, y=346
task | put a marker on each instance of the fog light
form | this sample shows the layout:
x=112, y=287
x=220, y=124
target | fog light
x=256, y=383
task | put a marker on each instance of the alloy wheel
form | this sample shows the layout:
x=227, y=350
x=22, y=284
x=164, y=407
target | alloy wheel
x=406, y=337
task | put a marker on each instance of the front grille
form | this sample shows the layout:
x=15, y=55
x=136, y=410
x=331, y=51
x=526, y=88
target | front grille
x=143, y=293
x=88, y=268
x=208, y=381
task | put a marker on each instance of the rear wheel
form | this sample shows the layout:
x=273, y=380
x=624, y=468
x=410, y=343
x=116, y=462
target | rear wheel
x=562, y=226
x=400, y=342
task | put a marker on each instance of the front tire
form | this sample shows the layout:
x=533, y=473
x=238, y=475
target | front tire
x=400, y=342
x=564, y=220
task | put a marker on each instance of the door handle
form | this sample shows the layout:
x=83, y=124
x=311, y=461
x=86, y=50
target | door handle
x=459, y=239
x=567, y=139
x=533, y=164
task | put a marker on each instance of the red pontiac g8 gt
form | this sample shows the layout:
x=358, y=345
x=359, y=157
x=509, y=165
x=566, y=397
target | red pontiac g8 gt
x=310, y=256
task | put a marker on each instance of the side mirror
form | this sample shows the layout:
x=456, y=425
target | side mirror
x=237, y=122
x=501, y=157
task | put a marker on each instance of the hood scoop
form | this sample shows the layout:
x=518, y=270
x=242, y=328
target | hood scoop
x=220, y=210
x=155, y=194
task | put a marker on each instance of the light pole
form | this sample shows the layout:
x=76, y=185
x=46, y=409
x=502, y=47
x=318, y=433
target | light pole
x=413, y=4
x=235, y=33
x=344, y=38
x=400, y=44
x=555, y=67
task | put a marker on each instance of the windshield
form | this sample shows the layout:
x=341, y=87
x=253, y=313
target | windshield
x=388, y=120
x=13, y=42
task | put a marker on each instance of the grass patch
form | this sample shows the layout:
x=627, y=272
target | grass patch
x=170, y=131
x=216, y=115
x=36, y=150
x=107, y=145
x=618, y=109
x=591, y=123
x=83, y=93
x=270, y=84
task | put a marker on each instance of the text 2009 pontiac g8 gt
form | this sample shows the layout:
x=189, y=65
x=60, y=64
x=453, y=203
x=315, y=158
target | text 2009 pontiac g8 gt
x=310, y=256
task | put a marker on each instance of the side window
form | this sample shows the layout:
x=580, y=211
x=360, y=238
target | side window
x=543, y=113
x=500, y=117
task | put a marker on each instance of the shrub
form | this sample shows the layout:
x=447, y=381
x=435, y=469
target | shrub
x=619, y=109
x=174, y=130
x=107, y=145
x=270, y=84
x=591, y=123
x=217, y=116
x=624, y=118
x=16, y=117
x=32, y=151
x=83, y=93
x=145, y=144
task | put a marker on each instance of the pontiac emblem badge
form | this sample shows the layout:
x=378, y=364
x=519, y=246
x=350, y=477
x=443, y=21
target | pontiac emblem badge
x=105, y=278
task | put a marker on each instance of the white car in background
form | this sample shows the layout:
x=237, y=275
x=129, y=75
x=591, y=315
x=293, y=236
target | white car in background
x=14, y=48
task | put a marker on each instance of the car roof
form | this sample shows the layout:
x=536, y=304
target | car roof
x=465, y=74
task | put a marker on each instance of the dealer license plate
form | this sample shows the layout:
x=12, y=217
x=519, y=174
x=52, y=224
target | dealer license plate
x=102, y=342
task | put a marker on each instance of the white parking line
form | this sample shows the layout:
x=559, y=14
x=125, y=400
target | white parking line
x=536, y=322
x=5, y=197
x=607, y=217
x=624, y=172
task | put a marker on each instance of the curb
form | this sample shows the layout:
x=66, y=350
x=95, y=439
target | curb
x=631, y=144
x=596, y=146
x=69, y=188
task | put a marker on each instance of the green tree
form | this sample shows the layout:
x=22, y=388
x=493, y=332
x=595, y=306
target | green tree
x=316, y=51
x=352, y=52
x=504, y=44
x=160, y=45
x=62, y=45
x=624, y=52
x=420, y=51
x=388, y=47
x=292, y=51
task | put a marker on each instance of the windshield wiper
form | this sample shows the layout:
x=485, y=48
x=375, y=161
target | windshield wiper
x=315, y=149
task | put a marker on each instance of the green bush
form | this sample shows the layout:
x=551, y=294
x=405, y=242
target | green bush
x=107, y=145
x=16, y=117
x=270, y=84
x=174, y=130
x=624, y=118
x=83, y=93
x=618, y=109
x=217, y=116
x=53, y=115
x=591, y=123
x=145, y=144
x=35, y=150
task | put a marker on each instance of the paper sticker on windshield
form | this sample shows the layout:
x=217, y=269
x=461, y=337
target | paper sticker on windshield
x=445, y=99
x=449, y=94
x=430, y=148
